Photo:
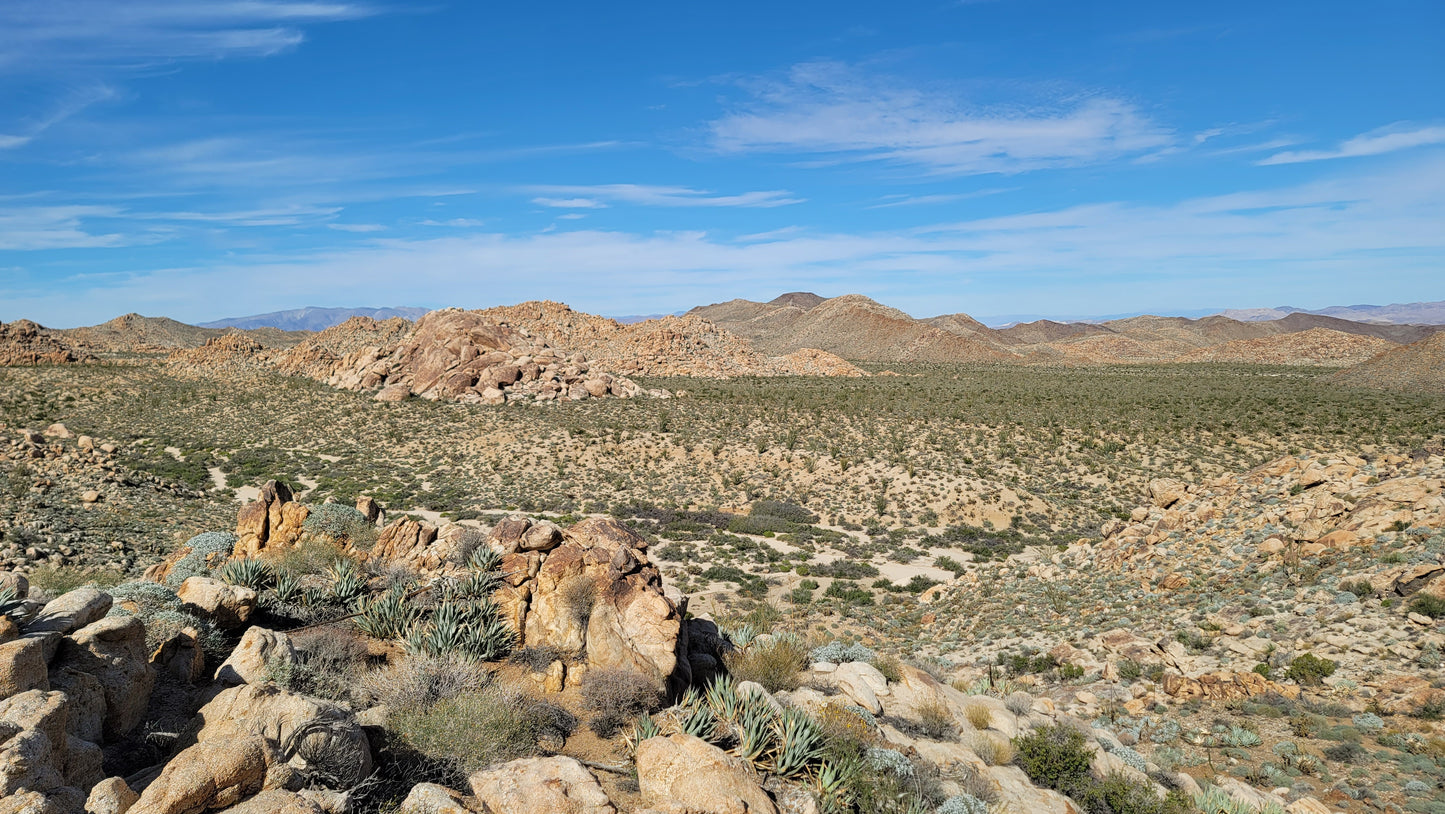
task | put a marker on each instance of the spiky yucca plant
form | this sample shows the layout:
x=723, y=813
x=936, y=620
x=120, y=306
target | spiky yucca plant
x=722, y=699
x=257, y=575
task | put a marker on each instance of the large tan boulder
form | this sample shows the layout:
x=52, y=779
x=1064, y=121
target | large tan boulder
x=687, y=775
x=278, y=801
x=229, y=606
x=1165, y=492
x=23, y=666
x=599, y=592
x=1016, y=793
x=418, y=544
x=258, y=651
x=540, y=785
x=208, y=775
x=33, y=743
x=85, y=703
x=70, y=612
x=113, y=650
x=429, y=798
x=316, y=733
x=271, y=523
x=110, y=796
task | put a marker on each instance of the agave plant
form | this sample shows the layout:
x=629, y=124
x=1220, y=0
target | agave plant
x=488, y=636
x=831, y=780
x=12, y=605
x=800, y=742
x=388, y=616
x=642, y=729
x=742, y=636
x=754, y=729
x=722, y=699
x=698, y=721
x=247, y=572
x=484, y=560
x=347, y=582
x=287, y=587
x=1241, y=737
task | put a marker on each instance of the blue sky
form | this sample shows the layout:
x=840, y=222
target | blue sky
x=209, y=159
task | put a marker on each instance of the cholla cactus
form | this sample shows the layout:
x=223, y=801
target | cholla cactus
x=249, y=573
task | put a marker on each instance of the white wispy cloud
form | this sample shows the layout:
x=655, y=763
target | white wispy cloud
x=356, y=227
x=1381, y=230
x=1399, y=136
x=890, y=201
x=57, y=227
x=570, y=203
x=593, y=196
x=830, y=110
x=43, y=35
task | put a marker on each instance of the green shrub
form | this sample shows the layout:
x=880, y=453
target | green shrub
x=1427, y=605
x=476, y=729
x=789, y=512
x=208, y=551
x=1053, y=756
x=849, y=592
x=341, y=523
x=1310, y=669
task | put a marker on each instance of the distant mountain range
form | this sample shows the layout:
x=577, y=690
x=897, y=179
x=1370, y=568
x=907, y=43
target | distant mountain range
x=312, y=318
x=1407, y=313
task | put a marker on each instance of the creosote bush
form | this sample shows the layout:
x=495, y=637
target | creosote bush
x=1310, y=669
x=475, y=729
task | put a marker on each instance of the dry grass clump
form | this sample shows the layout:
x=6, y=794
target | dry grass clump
x=420, y=681
x=775, y=664
x=979, y=715
x=994, y=749
x=935, y=719
x=618, y=697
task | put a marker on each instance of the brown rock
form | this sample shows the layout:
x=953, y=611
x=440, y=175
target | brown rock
x=23, y=666
x=683, y=773
x=113, y=650
x=1165, y=492
x=229, y=606
x=208, y=775
x=250, y=662
x=429, y=798
x=540, y=785
x=110, y=796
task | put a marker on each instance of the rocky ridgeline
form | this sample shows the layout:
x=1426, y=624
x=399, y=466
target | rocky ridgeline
x=23, y=342
x=448, y=354
x=672, y=346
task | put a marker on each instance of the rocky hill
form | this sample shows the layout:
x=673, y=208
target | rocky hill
x=1418, y=367
x=856, y=327
x=133, y=333
x=23, y=342
x=1316, y=346
x=851, y=326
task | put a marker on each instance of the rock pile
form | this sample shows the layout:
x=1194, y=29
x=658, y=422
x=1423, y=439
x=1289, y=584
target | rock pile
x=23, y=342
